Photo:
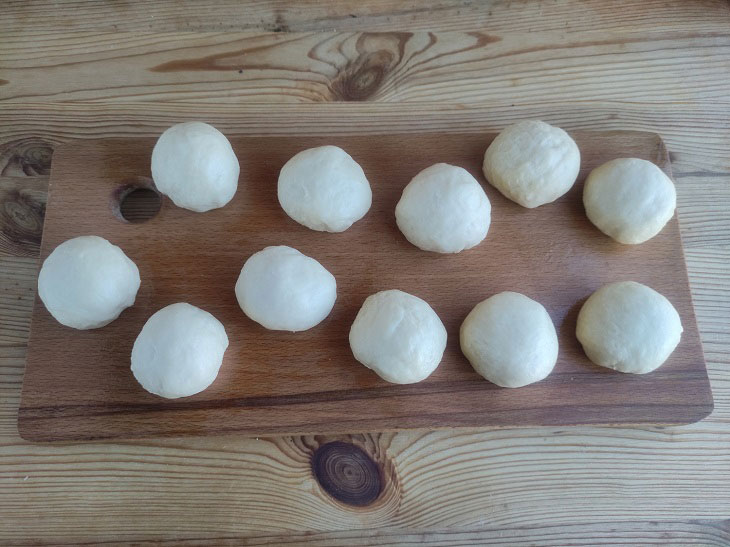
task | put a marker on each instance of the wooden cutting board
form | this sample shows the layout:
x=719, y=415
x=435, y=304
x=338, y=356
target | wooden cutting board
x=78, y=384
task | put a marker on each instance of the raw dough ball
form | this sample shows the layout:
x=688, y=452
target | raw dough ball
x=629, y=199
x=86, y=282
x=324, y=189
x=179, y=351
x=628, y=327
x=510, y=340
x=532, y=163
x=399, y=336
x=193, y=163
x=444, y=209
x=282, y=289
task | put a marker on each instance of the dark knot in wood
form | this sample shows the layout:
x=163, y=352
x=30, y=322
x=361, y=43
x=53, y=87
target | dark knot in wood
x=347, y=473
x=21, y=216
x=377, y=55
x=361, y=79
x=31, y=157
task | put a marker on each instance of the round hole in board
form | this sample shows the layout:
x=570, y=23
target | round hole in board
x=136, y=201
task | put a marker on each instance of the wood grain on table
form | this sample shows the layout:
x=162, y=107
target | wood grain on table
x=75, y=70
x=77, y=385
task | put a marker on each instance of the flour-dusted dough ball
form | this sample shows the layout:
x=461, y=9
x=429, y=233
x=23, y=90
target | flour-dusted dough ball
x=444, y=209
x=283, y=289
x=398, y=336
x=510, y=340
x=629, y=199
x=193, y=163
x=324, y=189
x=532, y=163
x=179, y=351
x=86, y=282
x=627, y=326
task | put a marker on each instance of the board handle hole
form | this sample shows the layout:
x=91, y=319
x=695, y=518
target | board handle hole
x=136, y=201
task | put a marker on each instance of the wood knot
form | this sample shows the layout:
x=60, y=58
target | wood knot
x=22, y=216
x=26, y=157
x=347, y=473
x=376, y=54
x=361, y=79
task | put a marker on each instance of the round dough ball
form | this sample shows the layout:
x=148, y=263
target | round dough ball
x=398, y=336
x=324, y=189
x=444, y=209
x=179, y=351
x=510, y=340
x=86, y=282
x=283, y=289
x=629, y=199
x=532, y=163
x=627, y=326
x=193, y=163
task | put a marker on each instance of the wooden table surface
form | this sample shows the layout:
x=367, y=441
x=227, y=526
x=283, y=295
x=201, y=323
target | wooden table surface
x=76, y=70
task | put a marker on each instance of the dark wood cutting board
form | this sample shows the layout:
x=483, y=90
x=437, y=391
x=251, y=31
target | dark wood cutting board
x=78, y=384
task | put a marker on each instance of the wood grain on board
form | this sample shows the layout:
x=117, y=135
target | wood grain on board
x=78, y=384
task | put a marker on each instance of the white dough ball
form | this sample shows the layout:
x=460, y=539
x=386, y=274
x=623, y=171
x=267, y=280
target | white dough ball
x=444, y=209
x=324, y=189
x=510, y=340
x=193, y=163
x=629, y=199
x=86, y=282
x=179, y=351
x=283, y=289
x=398, y=336
x=629, y=327
x=532, y=163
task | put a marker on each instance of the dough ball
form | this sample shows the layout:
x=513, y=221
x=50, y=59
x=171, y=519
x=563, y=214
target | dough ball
x=398, y=336
x=532, y=163
x=510, y=340
x=629, y=199
x=628, y=327
x=86, y=282
x=193, y=163
x=179, y=351
x=324, y=189
x=282, y=289
x=444, y=209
